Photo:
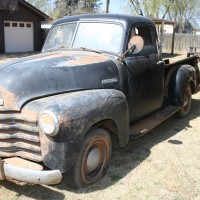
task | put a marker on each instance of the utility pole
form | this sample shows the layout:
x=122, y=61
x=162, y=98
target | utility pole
x=107, y=6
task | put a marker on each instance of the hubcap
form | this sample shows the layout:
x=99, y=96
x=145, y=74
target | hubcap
x=93, y=159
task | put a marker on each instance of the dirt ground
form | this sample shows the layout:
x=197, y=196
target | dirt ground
x=164, y=164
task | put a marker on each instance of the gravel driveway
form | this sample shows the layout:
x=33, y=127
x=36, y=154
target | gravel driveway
x=164, y=164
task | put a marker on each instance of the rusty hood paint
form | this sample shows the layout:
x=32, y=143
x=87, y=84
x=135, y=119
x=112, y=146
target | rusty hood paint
x=53, y=73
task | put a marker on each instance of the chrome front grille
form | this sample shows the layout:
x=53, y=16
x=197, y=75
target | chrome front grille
x=19, y=136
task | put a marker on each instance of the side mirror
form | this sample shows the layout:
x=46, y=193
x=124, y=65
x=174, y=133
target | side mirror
x=137, y=43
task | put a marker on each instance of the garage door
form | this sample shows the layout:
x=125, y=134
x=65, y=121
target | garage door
x=18, y=36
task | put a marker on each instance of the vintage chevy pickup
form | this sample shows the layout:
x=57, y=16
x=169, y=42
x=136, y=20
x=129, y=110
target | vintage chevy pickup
x=97, y=75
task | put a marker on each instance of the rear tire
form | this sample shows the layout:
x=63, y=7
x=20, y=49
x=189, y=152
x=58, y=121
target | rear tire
x=186, y=107
x=93, y=160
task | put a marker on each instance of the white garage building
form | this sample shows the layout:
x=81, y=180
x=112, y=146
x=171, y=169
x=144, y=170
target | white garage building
x=20, y=27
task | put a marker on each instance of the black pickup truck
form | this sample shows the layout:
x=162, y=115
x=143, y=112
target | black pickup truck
x=97, y=75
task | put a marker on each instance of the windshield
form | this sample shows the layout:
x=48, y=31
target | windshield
x=96, y=36
x=59, y=36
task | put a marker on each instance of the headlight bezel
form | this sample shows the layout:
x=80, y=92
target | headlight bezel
x=55, y=123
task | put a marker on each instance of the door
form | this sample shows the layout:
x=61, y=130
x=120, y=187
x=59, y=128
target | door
x=146, y=77
x=18, y=36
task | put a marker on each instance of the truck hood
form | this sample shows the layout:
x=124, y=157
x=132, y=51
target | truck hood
x=53, y=73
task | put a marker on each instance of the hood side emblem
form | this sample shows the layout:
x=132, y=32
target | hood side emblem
x=112, y=80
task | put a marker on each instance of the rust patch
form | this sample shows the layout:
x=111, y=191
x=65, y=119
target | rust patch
x=53, y=55
x=9, y=99
x=82, y=61
x=64, y=120
x=31, y=115
x=79, y=58
x=45, y=144
x=47, y=57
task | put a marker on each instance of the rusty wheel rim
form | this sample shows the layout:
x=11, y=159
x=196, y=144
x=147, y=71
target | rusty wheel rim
x=187, y=101
x=95, y=160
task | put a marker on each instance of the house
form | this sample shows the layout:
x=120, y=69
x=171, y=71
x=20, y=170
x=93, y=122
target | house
x=168, y=25
x=168, y=28
x=20, y=27
x=197, y=31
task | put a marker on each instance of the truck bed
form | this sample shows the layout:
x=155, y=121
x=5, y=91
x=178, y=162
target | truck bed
x=192, y=60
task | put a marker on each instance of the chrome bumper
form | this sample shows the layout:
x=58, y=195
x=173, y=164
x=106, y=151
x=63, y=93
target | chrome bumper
x=35, y=176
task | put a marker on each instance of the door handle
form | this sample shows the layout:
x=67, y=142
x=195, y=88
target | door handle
x=160, y=62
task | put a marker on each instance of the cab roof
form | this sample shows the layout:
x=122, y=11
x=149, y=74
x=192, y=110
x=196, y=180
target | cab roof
x=126, y=20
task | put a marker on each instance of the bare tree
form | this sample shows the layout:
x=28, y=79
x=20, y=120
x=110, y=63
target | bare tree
x=43, y=5
x=184, y=12
x=74, y=7
x=181, y=12
x=148, y=8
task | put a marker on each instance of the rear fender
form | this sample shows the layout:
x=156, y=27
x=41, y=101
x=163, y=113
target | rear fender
x=185, y=75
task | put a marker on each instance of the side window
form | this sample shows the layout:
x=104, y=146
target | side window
x=145, y=33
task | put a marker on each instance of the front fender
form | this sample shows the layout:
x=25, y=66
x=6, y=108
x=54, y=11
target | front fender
x=77, y=112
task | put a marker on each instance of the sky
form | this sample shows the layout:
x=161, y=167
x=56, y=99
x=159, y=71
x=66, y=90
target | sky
x=116, y=6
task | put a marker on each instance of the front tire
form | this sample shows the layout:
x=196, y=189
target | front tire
x=93, y=160
x=186, y=106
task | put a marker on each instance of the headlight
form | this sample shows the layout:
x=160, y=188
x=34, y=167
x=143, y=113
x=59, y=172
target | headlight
x=48, y=123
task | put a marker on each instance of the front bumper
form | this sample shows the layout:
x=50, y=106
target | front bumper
x=28, y=172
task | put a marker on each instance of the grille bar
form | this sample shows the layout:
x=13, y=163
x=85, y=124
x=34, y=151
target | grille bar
x=16, y=117
x=22, y=145
x=19, y=136
x=22, y=154
x=19, y=127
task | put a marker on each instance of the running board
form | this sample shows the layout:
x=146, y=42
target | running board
x=142, y=127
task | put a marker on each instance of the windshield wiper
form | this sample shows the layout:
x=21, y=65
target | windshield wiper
x=78, y=48
x=87, y=49
x=58, y=47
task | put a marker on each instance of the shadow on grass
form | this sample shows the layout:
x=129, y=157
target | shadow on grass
x=123, y=161
x=32, y=191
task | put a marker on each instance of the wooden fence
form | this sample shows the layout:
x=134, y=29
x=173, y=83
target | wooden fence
x=182, y=42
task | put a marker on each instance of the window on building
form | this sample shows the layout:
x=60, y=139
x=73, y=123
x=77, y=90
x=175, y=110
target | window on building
x=7, y=24
x=14, y=24
x=21, y=25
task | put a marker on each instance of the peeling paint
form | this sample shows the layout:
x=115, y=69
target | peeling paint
x=82, y=61
x=45, y=57
x=9, y=99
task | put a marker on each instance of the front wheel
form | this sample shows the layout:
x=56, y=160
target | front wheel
x=186, y=106
x=93, y=160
